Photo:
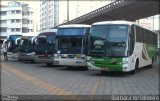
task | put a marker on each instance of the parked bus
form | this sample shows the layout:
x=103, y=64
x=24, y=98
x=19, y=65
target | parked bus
x=12, y=45
x=27, y=47
x=45, y=47
x=71, y=42
x=121, y=46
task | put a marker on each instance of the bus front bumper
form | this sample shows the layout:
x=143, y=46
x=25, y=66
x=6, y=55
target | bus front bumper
x=110, y=68
x=70, y=62
x=26, y=57
x=44, y=60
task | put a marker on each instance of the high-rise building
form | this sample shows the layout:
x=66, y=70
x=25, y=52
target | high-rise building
x=16, y=18
x=54, y=12
x=49, y=14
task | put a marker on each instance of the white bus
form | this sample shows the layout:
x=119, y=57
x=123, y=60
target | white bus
x=26, y=50
x=121, y=46
x=45, y=47
x=71, y=45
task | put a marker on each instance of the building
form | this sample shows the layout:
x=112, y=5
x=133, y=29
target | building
x=49, y=14
x=53, y=13
x=16, y=18
x=152, y=23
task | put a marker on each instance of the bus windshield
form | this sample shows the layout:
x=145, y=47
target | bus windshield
x=71, y=40
x=70, y=45
x=109, y=40
x=46, y=43
x=12, y=47
x=26, y=45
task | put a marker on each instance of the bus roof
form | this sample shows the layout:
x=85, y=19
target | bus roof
x=12, y=36
x=120, y=22
x=49, y=30
x=114, y=22
x=74, y=26
x=30, y=34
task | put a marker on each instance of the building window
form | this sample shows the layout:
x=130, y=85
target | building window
x=3, y=29
x=18, y=20
x=25, y=21
x=15, y=21
x=15, y=29
x=18, y=11
x=30, y=21
x=13, y=12
x=24, y=30
x=24, y=13
x=3, y=13
x=2, y=21
x=12, y=21
x=12, y=30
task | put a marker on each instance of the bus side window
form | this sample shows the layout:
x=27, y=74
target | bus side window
x=86, y=40
x=132, y=40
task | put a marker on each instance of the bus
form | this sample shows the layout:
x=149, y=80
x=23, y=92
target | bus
x=71, y=45
x=12, y=45
x=27, y=46
x=45, y=46
x=120, y=46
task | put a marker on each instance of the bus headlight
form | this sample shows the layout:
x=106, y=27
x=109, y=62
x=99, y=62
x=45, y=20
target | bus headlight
x=33, y=53
x=57, y=55
x=122, y=63
x=88, y=58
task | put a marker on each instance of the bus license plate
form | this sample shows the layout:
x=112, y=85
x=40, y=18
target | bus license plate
x=105, y=69
x=78, y=62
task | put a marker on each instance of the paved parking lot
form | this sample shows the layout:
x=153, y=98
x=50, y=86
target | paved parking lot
x=25, y=78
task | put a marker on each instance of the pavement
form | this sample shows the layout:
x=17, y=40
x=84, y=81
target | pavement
x=27, y=79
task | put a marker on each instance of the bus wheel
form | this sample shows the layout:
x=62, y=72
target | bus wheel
x=49, y=64
x=19, y=59
x=84, y=68
x=136, y=67
x=32, y=61
x=151, y=65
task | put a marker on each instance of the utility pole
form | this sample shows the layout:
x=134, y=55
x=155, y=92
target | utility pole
x=67, y=10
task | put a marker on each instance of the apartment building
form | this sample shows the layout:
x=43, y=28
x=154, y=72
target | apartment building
x=16, y=18
x=49, y=14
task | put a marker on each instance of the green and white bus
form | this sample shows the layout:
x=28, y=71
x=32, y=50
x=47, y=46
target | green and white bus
x=120, y=46
x=71, y=45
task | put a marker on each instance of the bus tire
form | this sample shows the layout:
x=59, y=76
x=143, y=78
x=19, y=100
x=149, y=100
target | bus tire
x=32, y=61
x=136, y=67
x=151, y=65
x=49, y=64
x=19, y=59
x=84, y=68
